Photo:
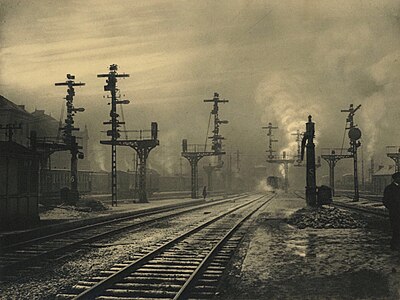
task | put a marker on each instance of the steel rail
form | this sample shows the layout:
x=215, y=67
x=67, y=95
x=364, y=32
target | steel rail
x=190, y=283
x=117, y=219
x=10, y=268
x=106, y=283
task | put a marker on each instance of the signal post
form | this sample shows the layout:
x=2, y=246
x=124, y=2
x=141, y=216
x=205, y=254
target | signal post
x=68, y=138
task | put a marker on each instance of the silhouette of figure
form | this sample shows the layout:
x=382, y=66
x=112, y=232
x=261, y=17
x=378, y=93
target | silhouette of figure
x=391, y=200
x=204, y=192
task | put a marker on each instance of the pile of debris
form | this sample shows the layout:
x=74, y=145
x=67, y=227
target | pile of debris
x=88, y=205
x=325, y=217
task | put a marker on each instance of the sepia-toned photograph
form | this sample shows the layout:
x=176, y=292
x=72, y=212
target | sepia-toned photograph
x=213, y=149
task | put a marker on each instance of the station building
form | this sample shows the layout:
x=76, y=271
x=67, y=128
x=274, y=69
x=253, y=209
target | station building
x=21, y=166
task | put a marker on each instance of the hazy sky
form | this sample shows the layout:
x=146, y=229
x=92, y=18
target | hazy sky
x=276, y=61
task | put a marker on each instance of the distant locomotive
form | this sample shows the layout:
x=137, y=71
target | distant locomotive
x=275, y=182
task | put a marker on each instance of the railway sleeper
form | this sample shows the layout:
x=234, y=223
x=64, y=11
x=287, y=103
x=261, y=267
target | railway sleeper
x=180, y=258
x=217, y=264
x=214, y=272
x=28, y=252
x=204, y=288
x=126, y=298
x=209, y=239
x=202, y=295
x=116, y=269
x=28, y=247
x=174, y=279
x=88, y=282
x=147, y=286
x=169, y=261
x=163, y=271
x=107, y=273
x=215, y=268
x=65, y=296
x=138, y=293
x=121, y=265
x=231, y=243
x=9, y=261
x=203, y=281
x=7, y=256
x=225, y=251
x=222, y=257
x=210, y=276
x=77, y=288
x=171, y=266
x=172, y=255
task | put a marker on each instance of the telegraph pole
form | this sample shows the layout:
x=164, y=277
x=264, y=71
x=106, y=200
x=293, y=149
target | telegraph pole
x=354, y=135
x=68, y=138
x=111, y=87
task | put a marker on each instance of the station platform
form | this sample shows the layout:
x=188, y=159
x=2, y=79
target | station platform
x=279, y=260
x=62, y=217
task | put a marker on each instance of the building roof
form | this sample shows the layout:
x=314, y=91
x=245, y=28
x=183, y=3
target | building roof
x=385, y=171
x=40, y=115
x=6, y=104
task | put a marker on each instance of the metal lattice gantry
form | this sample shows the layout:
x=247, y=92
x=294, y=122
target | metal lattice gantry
x=393, y=152
x=332, y=156
x=68, y=138
x=194, y=152
x=111, y=87
x=354, y=136
x=142, y=146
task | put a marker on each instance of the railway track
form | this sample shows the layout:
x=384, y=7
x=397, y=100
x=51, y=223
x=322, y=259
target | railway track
x=33, y=252
x=364, y=210
x=354, y=206
x=187, y=267
x=350, y=194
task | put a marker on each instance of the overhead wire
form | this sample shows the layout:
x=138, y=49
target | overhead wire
x=208, y=129
x=344, y=135
x=123, y=121
x=60, y=121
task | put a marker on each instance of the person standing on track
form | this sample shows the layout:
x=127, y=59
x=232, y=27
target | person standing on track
x=391, y=200
x=204, y=192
